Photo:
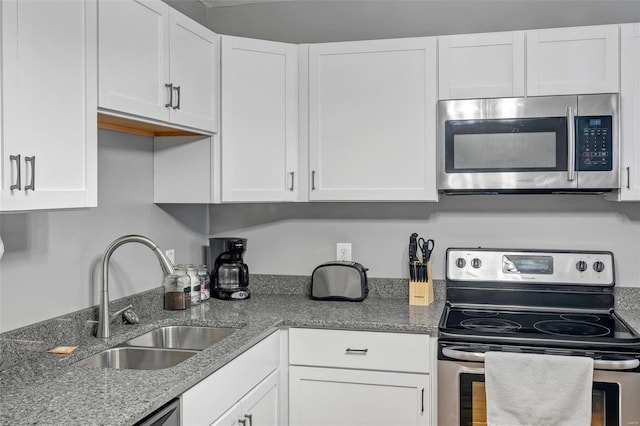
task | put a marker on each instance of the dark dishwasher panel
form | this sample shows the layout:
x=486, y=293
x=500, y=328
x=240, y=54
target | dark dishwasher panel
x=168, y=415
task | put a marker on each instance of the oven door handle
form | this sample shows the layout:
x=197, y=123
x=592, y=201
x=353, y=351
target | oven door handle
x=598, y=364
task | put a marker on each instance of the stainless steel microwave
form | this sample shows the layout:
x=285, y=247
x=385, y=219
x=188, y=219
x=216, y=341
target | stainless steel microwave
x=540, y=144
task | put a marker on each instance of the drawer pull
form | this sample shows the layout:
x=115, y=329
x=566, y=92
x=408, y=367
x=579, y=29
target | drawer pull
x=357, y=351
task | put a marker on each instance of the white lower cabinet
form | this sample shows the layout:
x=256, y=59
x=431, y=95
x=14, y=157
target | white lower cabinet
x=260, y=407
x=339, y=377
x=246, y=386
x=334, y=396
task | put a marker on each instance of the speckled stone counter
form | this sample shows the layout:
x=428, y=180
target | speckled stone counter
x=41, y=388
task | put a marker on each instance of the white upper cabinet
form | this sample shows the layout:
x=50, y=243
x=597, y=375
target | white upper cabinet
x=481, y=65
x=134, y=53
x=578, y=60
x=155, y=63
x=259, y=130
x=630, y=112
x=49, y=101
x=372, y=120
x=192, y=71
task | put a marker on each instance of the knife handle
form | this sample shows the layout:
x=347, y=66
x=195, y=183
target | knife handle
x=413, y=247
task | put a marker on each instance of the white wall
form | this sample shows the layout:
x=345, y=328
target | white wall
x=294, y=238
x=51, y=260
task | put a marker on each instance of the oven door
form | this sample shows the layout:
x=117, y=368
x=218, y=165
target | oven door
x=462, y=398
x=507, y=144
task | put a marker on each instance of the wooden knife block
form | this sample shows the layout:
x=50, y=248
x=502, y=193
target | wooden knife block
x=421, y=293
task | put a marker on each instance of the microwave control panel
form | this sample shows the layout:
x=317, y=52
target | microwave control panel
x=594, y=143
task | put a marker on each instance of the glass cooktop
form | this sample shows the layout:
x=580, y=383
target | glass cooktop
x=541, y=325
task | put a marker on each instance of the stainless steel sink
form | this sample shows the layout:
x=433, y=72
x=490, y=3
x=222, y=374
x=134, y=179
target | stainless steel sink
x=163, y=347
x=137, y=358
x=182, y=337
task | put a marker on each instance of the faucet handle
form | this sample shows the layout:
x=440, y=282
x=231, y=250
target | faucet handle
x=128, y=314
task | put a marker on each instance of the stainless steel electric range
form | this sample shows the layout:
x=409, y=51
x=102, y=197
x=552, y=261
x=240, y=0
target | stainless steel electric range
x=533, y=301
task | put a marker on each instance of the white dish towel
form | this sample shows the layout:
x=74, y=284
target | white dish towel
x=536, y=389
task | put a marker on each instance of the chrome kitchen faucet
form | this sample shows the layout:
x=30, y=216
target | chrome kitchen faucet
x=104, y=318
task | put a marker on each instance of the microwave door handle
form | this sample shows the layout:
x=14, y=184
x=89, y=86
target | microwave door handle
x=571, y=145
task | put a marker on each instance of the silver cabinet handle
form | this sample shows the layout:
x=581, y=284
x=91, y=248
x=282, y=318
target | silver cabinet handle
x=32, y=185
x=177, y=105
x=599, y=364
x=18, y=184
x=571, y=145
x=292, y=174
x=357, y=351
x=250, y=418
x=170, y=103
x=628, y=177
x=313, y=180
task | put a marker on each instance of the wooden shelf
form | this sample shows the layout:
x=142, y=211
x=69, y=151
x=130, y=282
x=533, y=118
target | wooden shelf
x=127, y=125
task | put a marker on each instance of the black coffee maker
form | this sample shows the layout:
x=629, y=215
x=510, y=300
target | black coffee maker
x=229, y=274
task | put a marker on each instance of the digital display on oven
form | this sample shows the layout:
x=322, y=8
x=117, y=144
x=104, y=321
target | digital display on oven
x=519, y=264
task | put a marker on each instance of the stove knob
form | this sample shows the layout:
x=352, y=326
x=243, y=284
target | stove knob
x=581, y=265
x=460, y=262
x=476, y=263
x=598, y=266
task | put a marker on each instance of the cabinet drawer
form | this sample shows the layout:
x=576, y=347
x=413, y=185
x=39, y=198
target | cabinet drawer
x=359, y=349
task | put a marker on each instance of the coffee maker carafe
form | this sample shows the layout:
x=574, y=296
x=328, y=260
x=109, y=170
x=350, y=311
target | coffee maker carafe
x=229, y=274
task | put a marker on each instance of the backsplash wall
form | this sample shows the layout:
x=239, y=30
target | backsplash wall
x=52, y=259
x=294, y=238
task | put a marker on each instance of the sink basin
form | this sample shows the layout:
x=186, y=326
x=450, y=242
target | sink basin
x=137, y=358
x=182, y=337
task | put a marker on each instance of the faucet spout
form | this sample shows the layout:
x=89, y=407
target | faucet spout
x=104, y=317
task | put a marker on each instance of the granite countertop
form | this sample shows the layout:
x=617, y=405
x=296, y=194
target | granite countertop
x=37, y=387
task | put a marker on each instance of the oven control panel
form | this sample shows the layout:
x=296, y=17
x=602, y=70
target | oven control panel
x=529, y=266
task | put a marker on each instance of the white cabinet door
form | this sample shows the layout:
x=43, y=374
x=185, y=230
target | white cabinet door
x=259, y=120
x=262, y=404
x=157, y=65
x=260, y=407
x=372, y=120
x=134, y=57
x=49, y=97
x=630, y=110
x=481, y=65
x=326, y=396
x=231, y=417
x=579, y=60
x=193, y=73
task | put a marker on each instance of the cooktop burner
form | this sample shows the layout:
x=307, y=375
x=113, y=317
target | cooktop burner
x=572, y=328
x=490, y=325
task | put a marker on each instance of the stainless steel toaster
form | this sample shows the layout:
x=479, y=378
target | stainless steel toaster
x=339, y=281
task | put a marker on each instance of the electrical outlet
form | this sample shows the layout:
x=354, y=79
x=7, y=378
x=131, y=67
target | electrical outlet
x=343, y=251
x=171, y=255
